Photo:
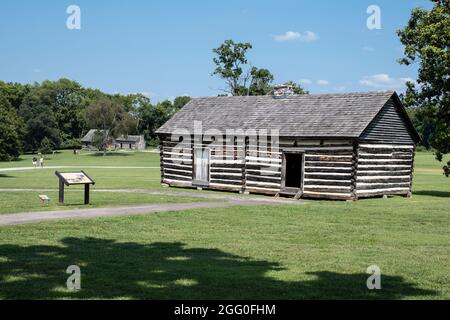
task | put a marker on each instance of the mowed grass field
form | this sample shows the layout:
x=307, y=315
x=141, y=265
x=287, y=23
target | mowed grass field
x=116, y=170
x=317, y=250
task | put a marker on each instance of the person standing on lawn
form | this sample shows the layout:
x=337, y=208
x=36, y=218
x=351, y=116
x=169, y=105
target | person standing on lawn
x=34, y=161
x=41, y=161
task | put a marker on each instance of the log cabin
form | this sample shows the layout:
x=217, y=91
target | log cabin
x=329, y=146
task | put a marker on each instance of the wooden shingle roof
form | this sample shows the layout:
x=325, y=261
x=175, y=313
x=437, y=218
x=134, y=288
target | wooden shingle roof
x=90, y=135
x=322, y=115
x=129, y=138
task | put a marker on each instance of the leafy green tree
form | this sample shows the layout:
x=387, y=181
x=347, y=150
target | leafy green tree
x=14, y=93
x=53, y=114
x=231, y=65
x=261, y=82
x=426, y=40
x=38, y=129
x=145, y=116
x=39, y=122
x=230, y=57
x=46, y=146
x=298, y=89
x=180, y=102
x=100, y=140
x=10, y=131
x=67, y=100
x=153, y=117
x=109, y=117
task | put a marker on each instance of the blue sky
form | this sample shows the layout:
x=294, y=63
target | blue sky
x=163, y=48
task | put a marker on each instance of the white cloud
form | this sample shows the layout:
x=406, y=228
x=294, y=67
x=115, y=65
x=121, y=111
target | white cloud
x=322, y=82
x=384, y=81
x=306, y=36
x=305, y=81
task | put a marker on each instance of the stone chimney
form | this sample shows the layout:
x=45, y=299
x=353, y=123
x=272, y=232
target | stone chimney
x=283, y=91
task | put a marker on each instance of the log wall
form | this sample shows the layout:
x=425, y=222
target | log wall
x=176, y=163
x=384, y=169
x=328, y=171
x=327, y=168
x=226, y=166
x=262, y=170
x=226, y=170
x=333, y=169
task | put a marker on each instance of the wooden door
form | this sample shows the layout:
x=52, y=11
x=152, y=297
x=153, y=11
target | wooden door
x=201, y=167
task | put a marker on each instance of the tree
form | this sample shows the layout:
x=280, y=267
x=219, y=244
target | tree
x=67, y=100
x=261, y=82
x=231, y=65
x=229, y=61
x=426, y=39
x=100, y=140
x=39, y=122
x=180, y=102
x=152, y=117
x=46, y=146
x=109, y=117
x=14, y=93
x=298, y=89
x=10, y=131
x=38, y=129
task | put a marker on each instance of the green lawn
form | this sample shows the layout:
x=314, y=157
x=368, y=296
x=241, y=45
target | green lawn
x=318, y=250
x=139, y=170
x=12, y=202
x=87, y=158
x=104, y=178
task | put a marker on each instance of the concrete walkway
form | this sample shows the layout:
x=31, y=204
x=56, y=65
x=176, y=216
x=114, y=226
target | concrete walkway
x=226, y=201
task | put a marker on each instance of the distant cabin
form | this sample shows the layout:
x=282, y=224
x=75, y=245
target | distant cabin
x=130, y=142
x=329, y=146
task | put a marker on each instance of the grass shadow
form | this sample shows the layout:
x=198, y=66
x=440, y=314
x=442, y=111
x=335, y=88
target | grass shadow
x=109, y=154
x=111, y=269
x=20, y=159
x=433, y=193
x=3, y=175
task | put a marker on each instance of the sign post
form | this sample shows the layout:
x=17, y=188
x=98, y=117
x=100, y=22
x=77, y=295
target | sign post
x=74, y=178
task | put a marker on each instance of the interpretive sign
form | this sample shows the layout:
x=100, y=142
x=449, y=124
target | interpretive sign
x=74, y=178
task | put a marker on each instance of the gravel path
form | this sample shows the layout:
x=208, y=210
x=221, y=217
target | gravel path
x=226, y=201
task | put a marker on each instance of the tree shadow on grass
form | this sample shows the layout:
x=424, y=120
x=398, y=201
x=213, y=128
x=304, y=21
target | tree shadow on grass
x=109, y=154
x=111, y=269
x=433, y=193
x=3, y=175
